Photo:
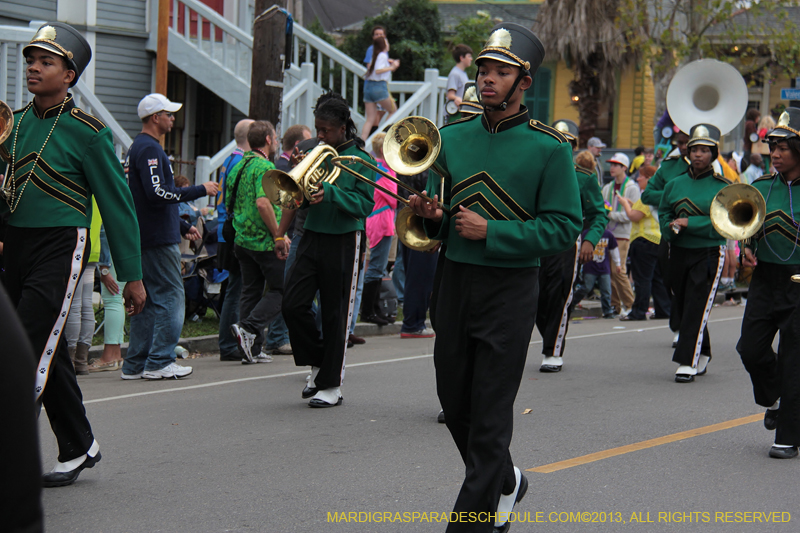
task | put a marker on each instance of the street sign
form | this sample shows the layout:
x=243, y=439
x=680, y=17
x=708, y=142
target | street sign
x=790, y=94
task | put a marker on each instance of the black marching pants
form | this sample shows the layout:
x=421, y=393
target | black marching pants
x=773, y=305
x=329, y=264
x=43, y=267
x=556, y=279
x=21, y=486
x=694, y=277
x=484, y=321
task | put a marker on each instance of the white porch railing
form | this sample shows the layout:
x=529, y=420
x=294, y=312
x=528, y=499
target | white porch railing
x=14, y=92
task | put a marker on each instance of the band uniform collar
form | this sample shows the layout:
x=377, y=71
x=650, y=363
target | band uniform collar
x=508, y=122
x=706, y=173
x=52, y=112
x=790, y=183
x=345, y=145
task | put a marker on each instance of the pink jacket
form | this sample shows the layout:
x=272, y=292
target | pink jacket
x=380, y=223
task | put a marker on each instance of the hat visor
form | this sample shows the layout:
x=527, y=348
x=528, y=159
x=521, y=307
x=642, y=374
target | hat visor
x=469, y=107
x=172, y=107
x=617, y=162
x=701, y=142
x=44, y=46
x=497, y=56
x=780, y=133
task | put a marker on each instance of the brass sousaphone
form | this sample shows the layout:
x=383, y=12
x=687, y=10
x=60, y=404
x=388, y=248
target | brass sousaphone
x=708, y=91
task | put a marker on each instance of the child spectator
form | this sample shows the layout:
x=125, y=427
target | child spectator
x=597, y=272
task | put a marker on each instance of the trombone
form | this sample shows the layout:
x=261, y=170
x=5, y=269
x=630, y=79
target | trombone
x=411, y=146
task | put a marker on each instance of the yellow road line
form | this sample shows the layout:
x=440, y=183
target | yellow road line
x=613, y=452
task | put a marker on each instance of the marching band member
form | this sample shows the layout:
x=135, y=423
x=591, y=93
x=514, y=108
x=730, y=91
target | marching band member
x=557, y=272
x=513, y=198
x=773, y=304
x=62, y=157
x=697, y=251
x=327, y=260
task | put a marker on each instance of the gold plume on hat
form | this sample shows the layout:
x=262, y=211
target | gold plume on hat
x=470, y=95
x=701, y=131
x=562, y=126
x=500, y=38
x=45, y=33
x=784, y=119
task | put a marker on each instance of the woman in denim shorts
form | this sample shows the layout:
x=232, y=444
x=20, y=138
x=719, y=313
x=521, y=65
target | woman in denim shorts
x=376, y=84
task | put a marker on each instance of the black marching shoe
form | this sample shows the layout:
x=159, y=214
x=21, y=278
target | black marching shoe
x=327, y=398
x=308, y=390
x=440, y=417
x=771, y=419
x=783, y=453
x=508, y=501
x=62, y=479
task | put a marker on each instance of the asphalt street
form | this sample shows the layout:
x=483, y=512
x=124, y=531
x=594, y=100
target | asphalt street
x=235, y=448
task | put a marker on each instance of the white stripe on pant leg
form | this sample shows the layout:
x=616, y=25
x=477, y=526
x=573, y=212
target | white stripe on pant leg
x=709, y=304
x=46, y=358
x=352, y=302
x=562, y=328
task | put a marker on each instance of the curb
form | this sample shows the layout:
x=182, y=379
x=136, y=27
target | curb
x=210, y=343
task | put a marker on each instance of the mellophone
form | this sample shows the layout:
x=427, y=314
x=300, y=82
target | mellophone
x=410, y=147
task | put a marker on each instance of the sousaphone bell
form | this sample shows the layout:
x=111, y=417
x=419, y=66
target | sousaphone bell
x=738, y=211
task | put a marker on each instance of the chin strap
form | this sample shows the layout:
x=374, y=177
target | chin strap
x=504, y=104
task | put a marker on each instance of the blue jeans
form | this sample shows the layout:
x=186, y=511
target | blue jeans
x=378, y=259
x=156, y=330
x=420, y=268
x=228, y=347
x=399, y=275
x=589, y=281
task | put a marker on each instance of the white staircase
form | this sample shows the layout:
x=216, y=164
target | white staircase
x=220, y=58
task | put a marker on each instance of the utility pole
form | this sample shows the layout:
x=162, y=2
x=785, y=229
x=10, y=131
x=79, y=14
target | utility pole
x=269, y=54
x=162, y=64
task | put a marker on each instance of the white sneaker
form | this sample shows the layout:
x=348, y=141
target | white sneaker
x=260, y=358
x=123, y=375
x=172, y=370
x=286, y=349
x=675, y=339
x=245, y=339
x=624, y=312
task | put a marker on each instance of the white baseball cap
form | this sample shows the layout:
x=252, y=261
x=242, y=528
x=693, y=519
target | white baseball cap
x=620, y=159
x=595, y=142
x=153, y=103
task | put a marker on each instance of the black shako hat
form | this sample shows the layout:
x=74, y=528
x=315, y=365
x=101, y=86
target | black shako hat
x=788, y=125
x=64, y=40
x=470, y=105
x=513, y=44
x=568, y=128
x=704, y=135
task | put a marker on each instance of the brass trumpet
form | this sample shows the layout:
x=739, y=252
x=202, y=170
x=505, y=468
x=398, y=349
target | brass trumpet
x=289, y=189
x=738, y=211
x=6, y=125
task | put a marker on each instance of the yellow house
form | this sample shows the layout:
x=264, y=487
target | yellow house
x=626, y=122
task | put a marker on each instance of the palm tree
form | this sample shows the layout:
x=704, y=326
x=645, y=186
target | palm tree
x=586, y=34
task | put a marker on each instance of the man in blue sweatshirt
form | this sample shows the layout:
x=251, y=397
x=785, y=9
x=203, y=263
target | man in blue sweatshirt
x=156, y=330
